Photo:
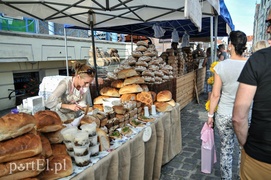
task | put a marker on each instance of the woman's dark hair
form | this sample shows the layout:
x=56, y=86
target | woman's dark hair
x=239, y=40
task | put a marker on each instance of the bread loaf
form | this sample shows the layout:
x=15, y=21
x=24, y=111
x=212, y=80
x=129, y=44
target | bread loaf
x=164, y=95
x=46, y=146
x=126, y=73
x=171, y=102
x=103, y=139
x=109, y=91
x=59, y=166
x=142, y=43
x=54, y=137
x=162, y=106
x=59, y=149
x=89, y=119
x=132, y=88
x=99, y=99
x=14, y=125
x=23, y=168
x=134, y=80
x=48, y=121
x=20, y=147
x=145, y=97
x=128, y=97
x=98, y=106
x=117, y=83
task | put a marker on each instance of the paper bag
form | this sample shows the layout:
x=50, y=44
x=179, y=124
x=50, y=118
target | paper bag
x=208, y=153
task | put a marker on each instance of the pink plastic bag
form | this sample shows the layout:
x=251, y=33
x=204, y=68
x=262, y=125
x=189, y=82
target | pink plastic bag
x=208, y=153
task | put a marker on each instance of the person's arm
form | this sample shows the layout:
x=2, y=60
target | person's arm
x=204, y=62
x=243, y=100
x=214, y=98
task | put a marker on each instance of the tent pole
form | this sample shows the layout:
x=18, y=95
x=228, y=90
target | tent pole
x=94, y=58
x=212, y=38
x=66, y=52
x=132, y=48
x=216, y=27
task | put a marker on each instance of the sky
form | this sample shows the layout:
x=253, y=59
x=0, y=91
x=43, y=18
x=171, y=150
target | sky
x=242, y=14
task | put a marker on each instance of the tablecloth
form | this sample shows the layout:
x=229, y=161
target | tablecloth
x=136, y=159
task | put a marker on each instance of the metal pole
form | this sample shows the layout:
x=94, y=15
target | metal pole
x=212, y=38
x=66, y=52
x=94, y=58
x=216, y=27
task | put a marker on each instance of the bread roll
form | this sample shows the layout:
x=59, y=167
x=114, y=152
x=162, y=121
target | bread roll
x=134, y=80
x=48, y=121
x=20, y=147
x=126, y=73
x=109, y=91
x=14, y=125
x=23, y=168
x=117, y=83
x=119, y=109
x=54, y=137
x=103, y=139
x=162, y=106
x=164, y=95
x=132, y=88
x=59, y=166
x=128, y=97
x=46, y=146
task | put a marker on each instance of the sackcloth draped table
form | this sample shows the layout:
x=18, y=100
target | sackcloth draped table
x=136, y=159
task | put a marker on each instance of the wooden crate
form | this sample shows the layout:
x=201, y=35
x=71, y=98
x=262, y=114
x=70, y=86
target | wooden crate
x=168, y=85
x=185, y=88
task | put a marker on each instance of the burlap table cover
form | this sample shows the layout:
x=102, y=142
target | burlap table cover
x=136, y=160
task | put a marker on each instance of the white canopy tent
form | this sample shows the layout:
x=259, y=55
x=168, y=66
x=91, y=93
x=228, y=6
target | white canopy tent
x=105, y=13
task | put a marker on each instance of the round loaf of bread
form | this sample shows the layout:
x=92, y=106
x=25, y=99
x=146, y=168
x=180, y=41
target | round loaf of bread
x=142, y=43
x=163, y=106
x=14, y=125
x=164, y=95
x=172, y=102
x=48, y=121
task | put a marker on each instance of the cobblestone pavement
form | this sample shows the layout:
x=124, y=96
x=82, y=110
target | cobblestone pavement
x=187, y=164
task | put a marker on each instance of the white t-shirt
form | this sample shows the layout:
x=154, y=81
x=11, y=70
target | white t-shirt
x=228, y=71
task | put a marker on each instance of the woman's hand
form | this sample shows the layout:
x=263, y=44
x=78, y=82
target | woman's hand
x=75, y=107
x=210, y=122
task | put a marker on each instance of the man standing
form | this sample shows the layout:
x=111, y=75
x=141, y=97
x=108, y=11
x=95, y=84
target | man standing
x=223, y=54
x=255, y=85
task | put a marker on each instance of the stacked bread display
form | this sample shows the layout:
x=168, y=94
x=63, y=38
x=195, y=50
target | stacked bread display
x=146, y=63
x=104, y=58
x=175, y=58
x=26, y=152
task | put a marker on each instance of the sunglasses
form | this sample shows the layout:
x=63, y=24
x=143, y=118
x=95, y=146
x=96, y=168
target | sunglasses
x=268, y=23
x=89, y=71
